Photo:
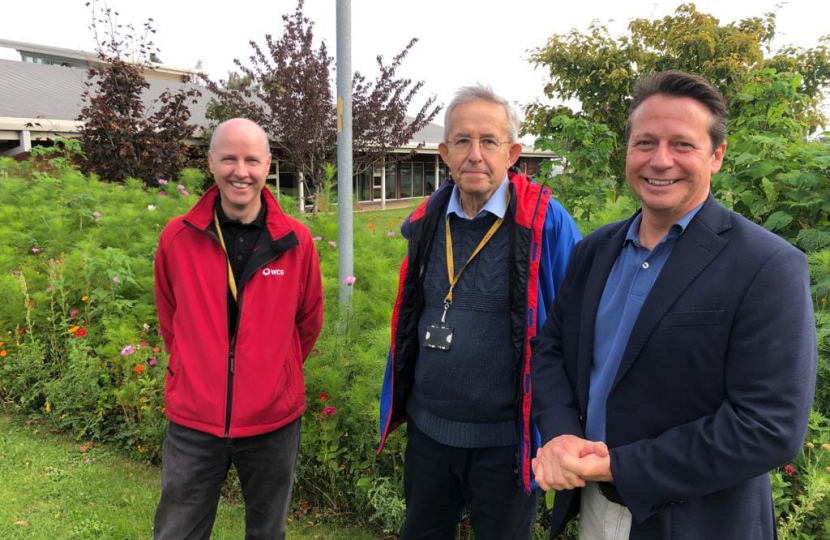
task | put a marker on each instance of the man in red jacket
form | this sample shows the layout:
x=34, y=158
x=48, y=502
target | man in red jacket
x=240, y=304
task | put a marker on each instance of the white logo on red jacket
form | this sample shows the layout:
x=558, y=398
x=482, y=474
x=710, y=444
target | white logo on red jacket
x=274, y=272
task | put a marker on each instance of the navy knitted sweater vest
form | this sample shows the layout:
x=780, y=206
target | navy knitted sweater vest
x=466, y=397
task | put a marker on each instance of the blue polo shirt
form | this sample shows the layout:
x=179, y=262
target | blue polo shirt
x=631, y=279
x=496, y=204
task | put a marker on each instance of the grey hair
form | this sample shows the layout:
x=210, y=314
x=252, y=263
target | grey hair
x=246, y=120
x=480, y=92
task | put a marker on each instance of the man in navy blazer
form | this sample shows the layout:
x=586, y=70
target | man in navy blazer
x=677, y=366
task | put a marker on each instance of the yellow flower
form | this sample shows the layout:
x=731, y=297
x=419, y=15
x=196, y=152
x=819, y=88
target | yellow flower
x=825, y=447
x=810, y=445
x=84, y=298
x=73, y=329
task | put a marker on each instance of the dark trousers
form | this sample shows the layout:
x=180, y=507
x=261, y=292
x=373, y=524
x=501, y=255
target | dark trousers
x=440, y=481
x=194, y=467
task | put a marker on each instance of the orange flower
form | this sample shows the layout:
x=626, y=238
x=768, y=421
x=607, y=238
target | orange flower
x=371, y=227
x=2, y=343
x=31, y=303
x=391, y=222
x=3, y=353
x=139, y=369
x=73, y=329
x=371, y=219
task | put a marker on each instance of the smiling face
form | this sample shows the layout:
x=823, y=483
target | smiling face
x=478, y=173
x=670, y=160
x=239, y=159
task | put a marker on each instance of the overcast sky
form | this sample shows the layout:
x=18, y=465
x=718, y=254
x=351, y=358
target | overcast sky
x=461, y=41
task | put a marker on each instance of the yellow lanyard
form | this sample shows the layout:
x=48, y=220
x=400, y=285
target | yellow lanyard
x=231, y=279
x=453, y=277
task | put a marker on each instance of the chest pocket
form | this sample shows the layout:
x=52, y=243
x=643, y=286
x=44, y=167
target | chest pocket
x=693, y=318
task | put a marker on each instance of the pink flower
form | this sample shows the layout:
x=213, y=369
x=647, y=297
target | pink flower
x=324, y=396
x=74, y=313
x=115, y=279
x=162, y=182
x=332, y=243
x=318, y=238
x=143, y=344
x=96, y=214
x=35, y=250
x=128, y=350
x=184, y=193
x=391, y=234
x=349, y=280
x=789, y=469
x=180, y=187
x=152, y=361
x=329, y=412
x=162, y=193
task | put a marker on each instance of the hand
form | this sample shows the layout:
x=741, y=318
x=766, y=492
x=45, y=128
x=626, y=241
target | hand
x=593, y=463
x=547, y=465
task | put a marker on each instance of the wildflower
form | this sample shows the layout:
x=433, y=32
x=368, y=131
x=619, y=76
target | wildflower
x=318, y=238
x=2, y=343
x=163, y=182
x=74, y=313
x=825, y=446
x=324, y=396
x=96, y=214
x=391, y=234
x=790, y=470
x=35, y=250
x=151, y=207
x=80, y=333
x=73, y=329
x=152, y=362
x=84, y=298
x=115, y=279
x=31, y=304
x=349, y=280
x=3, y=353
x=143, y=344
x=810, y=445
x=371, y=227
x=180, y=187
x=162, y=193
x=371, y=219
x=128, y=350
x=332, y=243
x=156, y=349
x=329, y=412
x=184, y=193
x=49, y=288
x=391, y=222
x=139, y=369
x=20, y=332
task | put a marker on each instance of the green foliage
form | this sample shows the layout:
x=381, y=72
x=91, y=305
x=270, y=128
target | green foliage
x=585, y=184
x=771, y=173
x=600, y=70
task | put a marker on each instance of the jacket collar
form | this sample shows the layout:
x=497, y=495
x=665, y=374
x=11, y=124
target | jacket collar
x=276, y=222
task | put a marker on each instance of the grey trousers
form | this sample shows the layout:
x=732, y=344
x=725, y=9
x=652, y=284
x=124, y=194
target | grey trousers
x=194, y=467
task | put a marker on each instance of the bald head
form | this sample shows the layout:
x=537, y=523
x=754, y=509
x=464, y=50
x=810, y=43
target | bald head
x=238, y=127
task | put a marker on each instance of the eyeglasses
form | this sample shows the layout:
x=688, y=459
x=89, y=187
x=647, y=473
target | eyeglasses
x=490, y=145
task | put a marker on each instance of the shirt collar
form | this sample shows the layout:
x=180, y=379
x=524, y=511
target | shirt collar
x=496, y=204
x=259, y=222
x=674, y=231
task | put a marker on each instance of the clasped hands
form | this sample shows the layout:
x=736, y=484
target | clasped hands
x=568, y=461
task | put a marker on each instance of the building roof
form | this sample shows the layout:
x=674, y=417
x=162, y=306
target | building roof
x=46, y=100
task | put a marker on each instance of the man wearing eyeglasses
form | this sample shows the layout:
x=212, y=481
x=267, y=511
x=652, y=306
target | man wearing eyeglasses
x=486, y=254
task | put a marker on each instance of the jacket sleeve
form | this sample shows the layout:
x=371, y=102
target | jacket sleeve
x=555, y=408
x=559, y=236
x=770, y=369
x=309, y=318
x=165, y=299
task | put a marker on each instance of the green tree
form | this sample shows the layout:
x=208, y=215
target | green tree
x=600, y=70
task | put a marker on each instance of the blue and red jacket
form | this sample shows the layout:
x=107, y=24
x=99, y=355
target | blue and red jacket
x=543, y=236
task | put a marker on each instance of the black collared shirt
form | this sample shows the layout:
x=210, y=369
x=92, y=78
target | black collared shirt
x=240, y=239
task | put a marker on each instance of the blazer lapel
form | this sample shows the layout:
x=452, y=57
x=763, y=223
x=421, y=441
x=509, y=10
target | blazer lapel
x=606, y=254
x=696, y=248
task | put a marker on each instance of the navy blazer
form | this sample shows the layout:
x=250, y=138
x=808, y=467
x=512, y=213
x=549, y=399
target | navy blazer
x=714, y=388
